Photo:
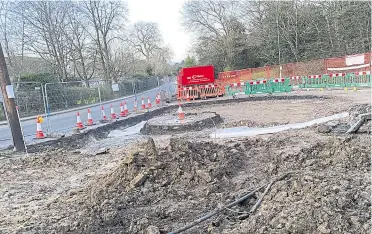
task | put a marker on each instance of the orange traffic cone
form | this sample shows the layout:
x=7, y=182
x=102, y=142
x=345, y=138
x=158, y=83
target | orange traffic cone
x=135, y=105
x=126, y=111
x=90, y=119
x=104, y=118
x=149, y=103
x=158, y=99
x=181, y=114
x=39, y=131
x=122, y=112
x=79, y=124
x=113, y=114
x=143, y=106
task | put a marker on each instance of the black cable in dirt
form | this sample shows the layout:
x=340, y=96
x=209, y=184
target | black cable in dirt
x=196, y=222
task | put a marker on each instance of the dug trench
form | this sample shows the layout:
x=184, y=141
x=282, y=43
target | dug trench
x=159, y=190
x=77, y=141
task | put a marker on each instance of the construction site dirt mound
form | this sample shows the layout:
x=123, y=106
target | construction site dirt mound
x=160, y=190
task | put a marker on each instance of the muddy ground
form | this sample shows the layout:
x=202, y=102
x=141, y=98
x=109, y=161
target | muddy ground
x=144, y=187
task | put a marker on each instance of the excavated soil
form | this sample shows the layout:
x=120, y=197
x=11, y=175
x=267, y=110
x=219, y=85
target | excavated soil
x=161, y=184
x=328, y=190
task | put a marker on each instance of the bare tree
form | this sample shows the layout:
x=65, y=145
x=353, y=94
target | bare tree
x=216, y=27
x=12, y=27
x=45, y=33
x=107, y=19
x=83, y=51
x=146, y=38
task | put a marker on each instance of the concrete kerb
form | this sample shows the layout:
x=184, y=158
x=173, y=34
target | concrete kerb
x=77, y=141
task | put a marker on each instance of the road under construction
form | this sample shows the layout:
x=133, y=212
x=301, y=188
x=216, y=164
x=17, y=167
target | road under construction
x=148, y=173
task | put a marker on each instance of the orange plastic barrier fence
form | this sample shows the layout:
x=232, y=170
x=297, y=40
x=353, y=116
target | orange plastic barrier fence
x=211, y=90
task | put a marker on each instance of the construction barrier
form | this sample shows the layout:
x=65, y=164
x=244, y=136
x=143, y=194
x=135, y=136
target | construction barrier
x=313, y=81
x=211, y=90
x=361, y=79
x=257, y=86
x=235, y=88
x=337, y=80
x=295, y=80
x=191, y=92
x=280, y=85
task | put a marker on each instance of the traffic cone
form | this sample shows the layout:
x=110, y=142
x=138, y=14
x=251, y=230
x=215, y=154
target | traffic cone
x=126, y=111
x=149, y=103
x=90, y=119
x=79, y=124
x=143, y=106
x=104, y=118
x=113, y=114
x=122, y=112
x=39, y=131
x=158, y=99
x=135, y=105
x=181, y=114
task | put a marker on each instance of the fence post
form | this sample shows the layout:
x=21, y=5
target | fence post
x=99, y=93
x=47, y=108
x=134, y=87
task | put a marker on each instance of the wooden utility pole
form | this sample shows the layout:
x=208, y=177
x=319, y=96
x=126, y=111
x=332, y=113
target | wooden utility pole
x=10, y=107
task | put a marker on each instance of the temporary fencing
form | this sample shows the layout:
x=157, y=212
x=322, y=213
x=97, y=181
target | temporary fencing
x=345, y=64
x=192, y=92
x=29, y=97
x=211, y=90
x=235, y=88
x=337, y=80
x=257, y=86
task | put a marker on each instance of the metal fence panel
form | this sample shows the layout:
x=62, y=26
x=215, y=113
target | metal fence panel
x=29, y=97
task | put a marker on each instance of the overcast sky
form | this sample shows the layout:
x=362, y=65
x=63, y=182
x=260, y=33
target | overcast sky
x=166, y=13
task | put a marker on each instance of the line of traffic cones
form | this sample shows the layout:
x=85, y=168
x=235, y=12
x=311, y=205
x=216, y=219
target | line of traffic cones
x=123, y=113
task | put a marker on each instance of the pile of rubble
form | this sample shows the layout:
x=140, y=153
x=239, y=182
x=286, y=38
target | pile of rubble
x=161, y=190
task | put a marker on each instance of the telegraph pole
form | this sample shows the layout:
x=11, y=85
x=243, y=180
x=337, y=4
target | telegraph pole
x=9, y=103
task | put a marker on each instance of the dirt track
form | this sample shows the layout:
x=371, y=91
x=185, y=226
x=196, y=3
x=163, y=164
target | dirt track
x=134, y=186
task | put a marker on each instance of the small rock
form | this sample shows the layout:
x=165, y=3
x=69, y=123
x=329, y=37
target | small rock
x=324, y=128
x=152, y=230
x=138, y=180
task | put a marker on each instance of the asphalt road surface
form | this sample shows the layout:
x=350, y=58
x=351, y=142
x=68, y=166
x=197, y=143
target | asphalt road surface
x=65, y=122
